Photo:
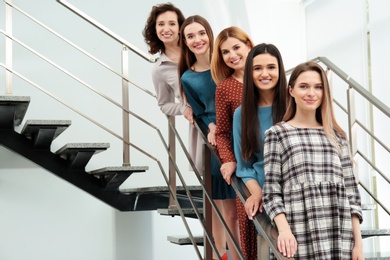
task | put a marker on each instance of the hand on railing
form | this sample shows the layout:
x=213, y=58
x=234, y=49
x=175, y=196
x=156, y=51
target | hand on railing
x=227, y=170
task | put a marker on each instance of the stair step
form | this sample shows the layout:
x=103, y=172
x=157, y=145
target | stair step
x=112, y=177
x=195, y=190
x=188, y=212
x=43, y=132
x=79, y=154
x=377, y=256
x=185, y=240
x=366, y=233
x=12, y=110
x=368, y=206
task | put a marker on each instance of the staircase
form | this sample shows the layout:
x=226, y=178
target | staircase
x=69, y=162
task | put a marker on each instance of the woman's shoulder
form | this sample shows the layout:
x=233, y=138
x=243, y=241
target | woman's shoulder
x=280, y=127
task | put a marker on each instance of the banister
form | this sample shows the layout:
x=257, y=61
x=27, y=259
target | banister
x=107, y=31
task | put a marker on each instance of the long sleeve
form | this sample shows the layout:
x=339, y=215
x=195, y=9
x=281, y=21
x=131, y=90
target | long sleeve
x=200, y=92
x=350, y=181
x=224, y=115
x=272, y=192
x=165, y=81
x=245, y=170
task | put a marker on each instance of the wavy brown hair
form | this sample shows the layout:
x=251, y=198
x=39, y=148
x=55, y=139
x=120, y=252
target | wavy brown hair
x=149, y=31
x=251, y=141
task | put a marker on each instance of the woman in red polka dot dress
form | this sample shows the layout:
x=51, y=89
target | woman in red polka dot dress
x=227, y=69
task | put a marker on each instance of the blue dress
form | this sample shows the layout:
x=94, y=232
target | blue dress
x=253, y=169
x=199, y=88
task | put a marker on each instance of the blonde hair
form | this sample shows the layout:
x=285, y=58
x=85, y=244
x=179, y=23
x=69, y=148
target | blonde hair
x=219, y=70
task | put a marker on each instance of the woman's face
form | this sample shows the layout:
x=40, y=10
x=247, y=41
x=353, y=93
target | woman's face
x=265, y=71
x=196, y=38
x=234, y=53
x=307, y=91
x=167, y=27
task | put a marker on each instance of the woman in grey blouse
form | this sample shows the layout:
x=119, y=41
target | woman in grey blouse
x=161, y=33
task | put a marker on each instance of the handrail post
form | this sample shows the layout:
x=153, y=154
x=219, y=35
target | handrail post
x=125, y=104
x=8, y=47
x=262, y=248
x=172, y=153
x=207, y=209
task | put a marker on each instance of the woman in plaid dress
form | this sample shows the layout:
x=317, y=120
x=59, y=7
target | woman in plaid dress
x=310, y=191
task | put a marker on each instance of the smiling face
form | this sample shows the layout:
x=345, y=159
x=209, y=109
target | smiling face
x=234, y=53
x=196, y=38
x=265, y=71
x=167, y=27
x=307, y=91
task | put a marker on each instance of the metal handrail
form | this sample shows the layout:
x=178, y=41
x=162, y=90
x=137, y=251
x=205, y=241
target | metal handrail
x=107, y=31
x=354, y=85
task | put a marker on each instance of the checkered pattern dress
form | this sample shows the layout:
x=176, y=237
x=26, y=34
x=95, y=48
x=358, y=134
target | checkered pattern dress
x=313, y=184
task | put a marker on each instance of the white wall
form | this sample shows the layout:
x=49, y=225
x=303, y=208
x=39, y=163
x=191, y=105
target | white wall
x=344, y=39
x=51, y=219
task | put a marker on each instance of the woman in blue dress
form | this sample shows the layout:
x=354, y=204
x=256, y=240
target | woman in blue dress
x=198, y=87
x=263, y=104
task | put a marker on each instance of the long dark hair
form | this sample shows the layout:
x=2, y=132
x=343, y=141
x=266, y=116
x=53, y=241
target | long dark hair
x=149, y=32
x=251, y=141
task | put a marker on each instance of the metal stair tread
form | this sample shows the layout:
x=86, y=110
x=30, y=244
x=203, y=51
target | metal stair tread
x=160, y=189
x=375, y=232
x=376, y=255
x=185, y=240
x=175, y=211
x=368, y=206
x=119, y=170
x=71, y=147
x=31, y=127
x=20, y=103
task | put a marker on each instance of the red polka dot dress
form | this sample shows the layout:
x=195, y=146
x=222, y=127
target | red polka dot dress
x=227, y=98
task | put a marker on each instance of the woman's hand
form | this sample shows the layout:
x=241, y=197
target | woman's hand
x=211, y=134
x=287, y=244
x=188, y=114
x=253, y=204
x=227, y=170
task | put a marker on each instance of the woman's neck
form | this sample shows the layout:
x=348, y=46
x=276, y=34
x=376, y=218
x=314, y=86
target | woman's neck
x=238, y=75
x=266, y=98
x=202, y=63
x=305, y=120
x=173, y=52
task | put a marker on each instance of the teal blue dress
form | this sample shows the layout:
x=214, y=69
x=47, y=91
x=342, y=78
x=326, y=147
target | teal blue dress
x=252, y=169
x=199, y=88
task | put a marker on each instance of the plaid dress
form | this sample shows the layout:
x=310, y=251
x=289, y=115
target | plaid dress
x=313, y=184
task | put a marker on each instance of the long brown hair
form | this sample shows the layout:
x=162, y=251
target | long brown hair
x=219, y=69
x=324, y=113
x=149, y=31
x=251, y=141
x=187, y=57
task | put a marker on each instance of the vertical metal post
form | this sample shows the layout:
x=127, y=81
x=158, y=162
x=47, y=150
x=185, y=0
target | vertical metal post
x=172, y=153
x=207, y=209
x=8, y=47
x=262, y=248
x=125, y=104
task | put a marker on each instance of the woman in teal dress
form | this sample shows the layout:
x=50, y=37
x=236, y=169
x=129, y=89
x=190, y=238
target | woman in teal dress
x=198, y=88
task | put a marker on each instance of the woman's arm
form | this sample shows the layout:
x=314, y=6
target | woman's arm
x=357, y=251
x=165, y=92
x=223, y=133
